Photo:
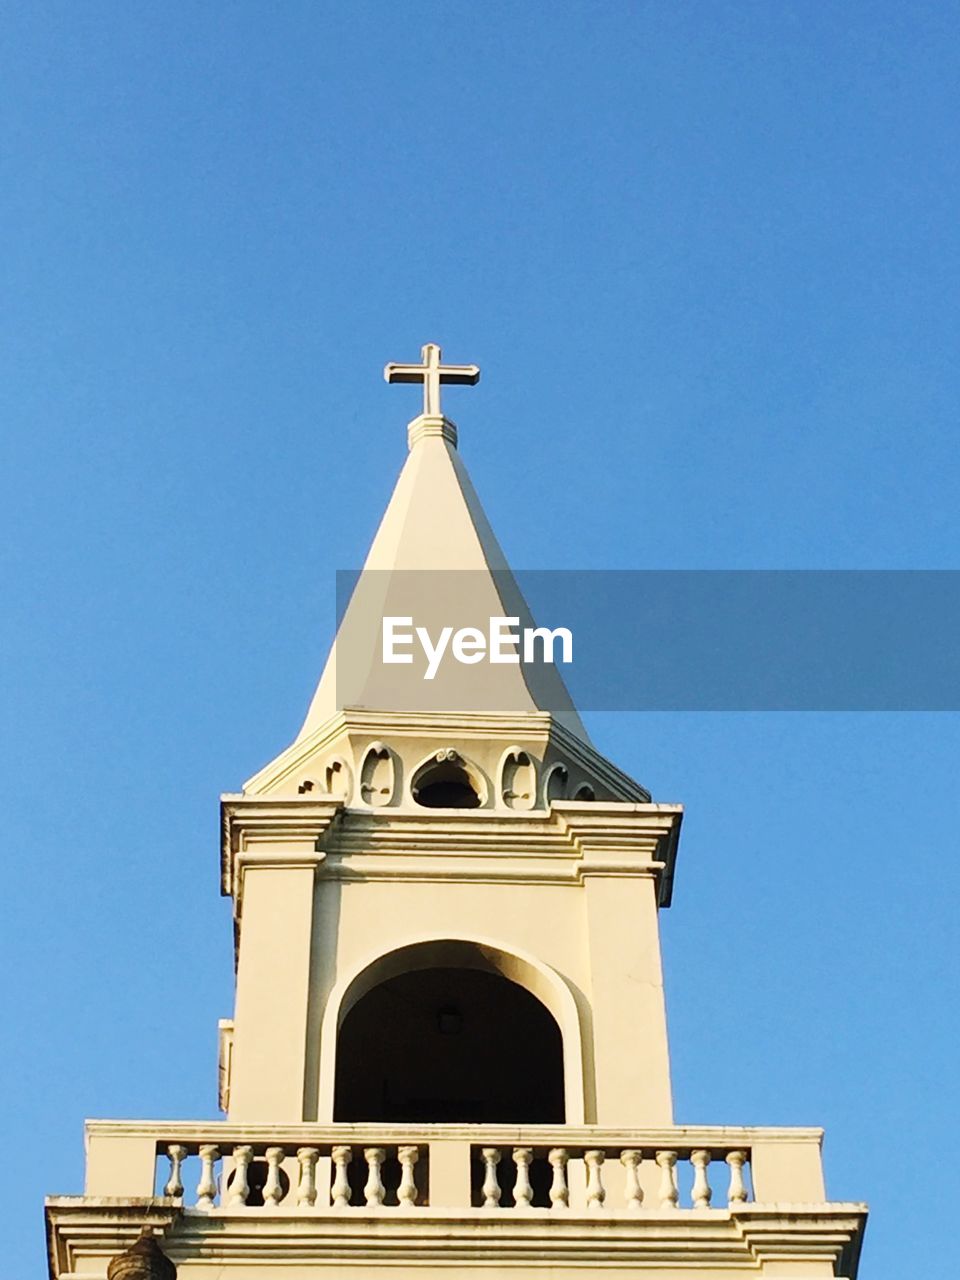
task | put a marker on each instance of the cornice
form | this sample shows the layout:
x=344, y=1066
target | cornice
x=571, y=841
x=685, y=1240
x=101, y=1225
x=231, y=1132
x=799, y=1232
x=270, y=830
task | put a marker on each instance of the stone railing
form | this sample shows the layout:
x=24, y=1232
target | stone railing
x=590, y=1189
x=221, y=1167
x=248, y=1175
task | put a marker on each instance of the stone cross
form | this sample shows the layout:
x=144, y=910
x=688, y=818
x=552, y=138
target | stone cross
x=433, y=374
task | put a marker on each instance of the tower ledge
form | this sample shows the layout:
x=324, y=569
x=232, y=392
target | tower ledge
x=569, y=842
x=615, y=1201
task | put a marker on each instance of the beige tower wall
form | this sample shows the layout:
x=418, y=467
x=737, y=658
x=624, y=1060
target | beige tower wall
x=273, y=982
x=628, y=1013
x=581, y=935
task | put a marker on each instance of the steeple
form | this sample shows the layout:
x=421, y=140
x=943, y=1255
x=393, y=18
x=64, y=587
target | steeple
x=434, y=557
x=436, y=561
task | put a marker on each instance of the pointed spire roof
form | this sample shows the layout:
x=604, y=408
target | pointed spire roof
x=434, y=559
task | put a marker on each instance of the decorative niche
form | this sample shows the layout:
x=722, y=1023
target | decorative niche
x=378, y=776
x=555, y=786
x=338, y=779
x=518, y=779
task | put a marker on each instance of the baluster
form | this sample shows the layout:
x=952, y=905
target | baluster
x=340, y=1191
x=491, y=1183
x=633, y=1193
x=407, y=1191
x=522, y=1190
x=374, y=1190
x=559, y=1191
x=595, y=1192
x=307, y=1158
x=737, y=1194
x=239, y=1186
x=702, y=1195
x=207, y=1186
x=669, y=1195
x=176, y=1155
x=273, y=1187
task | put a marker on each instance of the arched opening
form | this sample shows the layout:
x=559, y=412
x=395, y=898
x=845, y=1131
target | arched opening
x=489, y=955
x=447, y=1045
x=447, y=781
x=447, y=787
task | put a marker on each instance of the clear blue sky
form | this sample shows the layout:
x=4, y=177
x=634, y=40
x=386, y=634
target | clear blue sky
x=706, y=255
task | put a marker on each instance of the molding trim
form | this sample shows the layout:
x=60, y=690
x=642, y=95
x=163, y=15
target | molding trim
x=454, y=725
x=683, y=1239
x=562, y=845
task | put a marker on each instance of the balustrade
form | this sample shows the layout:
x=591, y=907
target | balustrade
x=596, y=1194
x=207, y=1186
x=407, y=1190
x=273, y=1187
x=559, y=1191
x=248, y=1177
x=515, y=1188
x=669, y=1192
x=374, y=1191
x=491, y=1183
x=176, y=1153
x=307, y=1184
x=239, y=1189
x=633, y=1192
x=340, y=1191
x=365, y=1176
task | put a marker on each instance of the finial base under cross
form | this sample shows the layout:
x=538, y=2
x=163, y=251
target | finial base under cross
x=431, y=425
x=433, y=375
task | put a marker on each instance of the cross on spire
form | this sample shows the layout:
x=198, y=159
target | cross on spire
x=433, y=374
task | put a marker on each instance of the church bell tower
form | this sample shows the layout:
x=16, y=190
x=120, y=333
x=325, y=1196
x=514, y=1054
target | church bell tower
x=449, y=1043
